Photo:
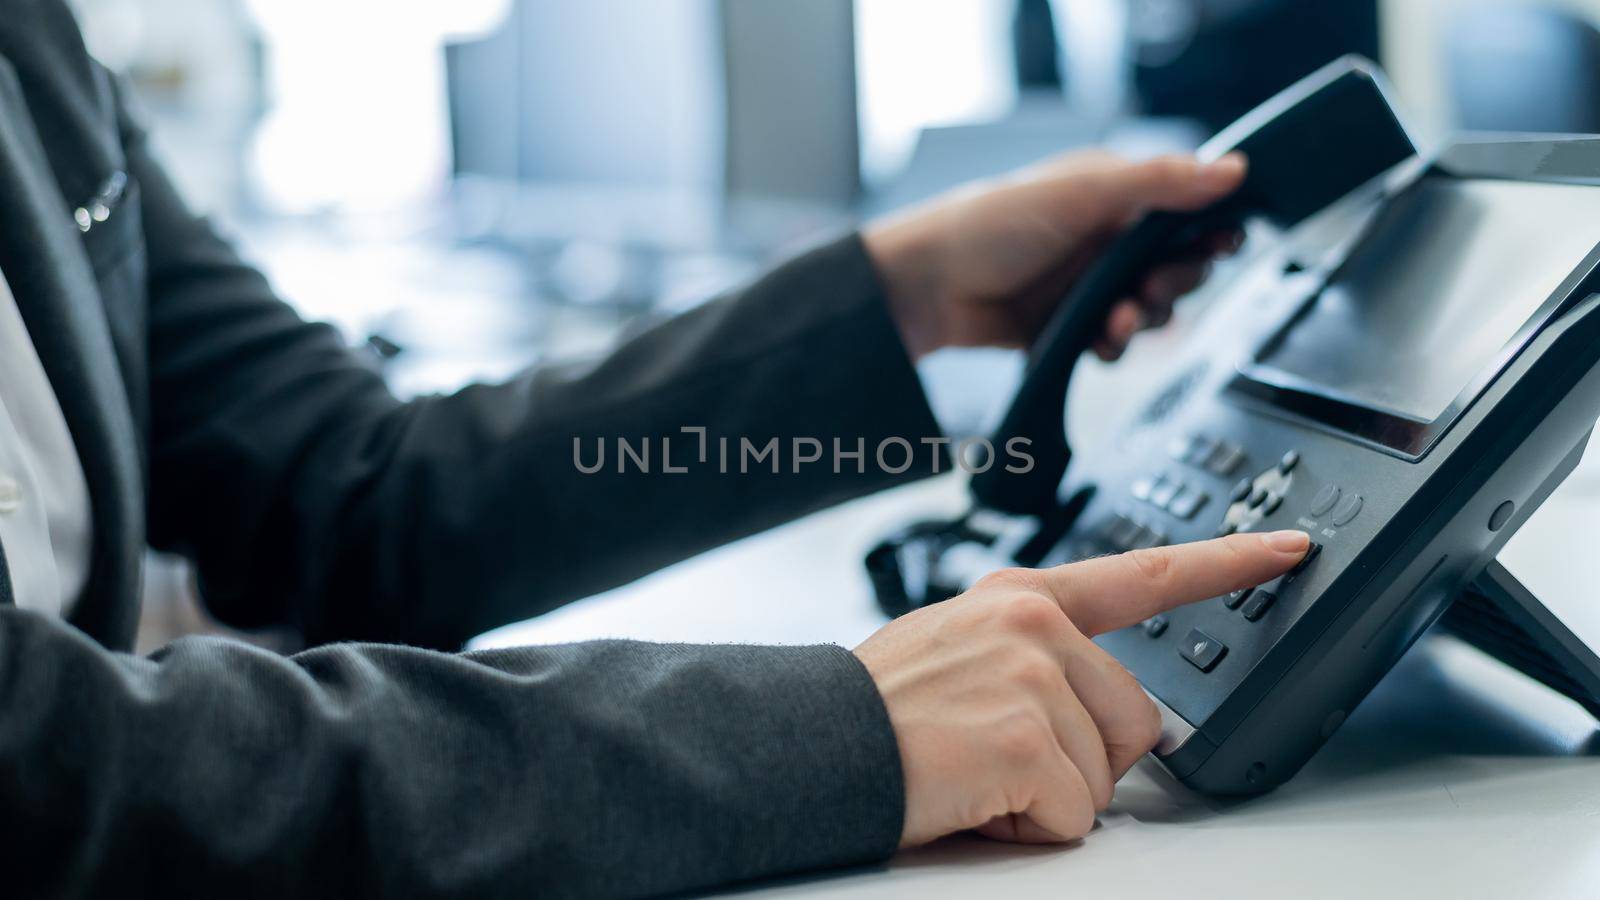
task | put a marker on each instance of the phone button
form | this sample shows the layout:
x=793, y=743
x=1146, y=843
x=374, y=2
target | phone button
x=1260, y=602
x=1501, y=515
x=1226, y=460
x=1202, y=650
x=1325, y=500
x=1163, y=492
x=1149, y=537
x=1348, y=510
x=1187, y=503
x=1200, y=450
x=1289, y=461
x=1123, y=532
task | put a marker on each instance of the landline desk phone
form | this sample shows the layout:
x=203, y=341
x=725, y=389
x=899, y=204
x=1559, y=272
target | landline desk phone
x=1406, y=371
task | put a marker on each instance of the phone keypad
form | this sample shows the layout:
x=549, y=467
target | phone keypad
x=1254, y=499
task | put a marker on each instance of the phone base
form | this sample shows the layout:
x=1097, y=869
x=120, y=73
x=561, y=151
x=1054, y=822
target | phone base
x=1501, y=617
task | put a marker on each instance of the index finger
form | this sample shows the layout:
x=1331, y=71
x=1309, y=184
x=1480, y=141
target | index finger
x=1177, y=182
x=1113, y=592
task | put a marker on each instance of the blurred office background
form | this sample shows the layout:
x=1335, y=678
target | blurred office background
x=472, y=187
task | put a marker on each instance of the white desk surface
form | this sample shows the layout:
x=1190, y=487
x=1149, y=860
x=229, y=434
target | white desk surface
x=1456, y=778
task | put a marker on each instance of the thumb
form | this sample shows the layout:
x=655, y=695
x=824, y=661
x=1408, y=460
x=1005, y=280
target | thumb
x=1112, y=592
x=1178, y=183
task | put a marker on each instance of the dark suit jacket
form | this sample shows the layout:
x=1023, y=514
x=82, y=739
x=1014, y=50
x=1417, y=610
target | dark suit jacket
x=213, y=422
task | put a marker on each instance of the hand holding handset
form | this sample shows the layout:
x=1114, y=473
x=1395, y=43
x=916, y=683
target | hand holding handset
x=1307, y=146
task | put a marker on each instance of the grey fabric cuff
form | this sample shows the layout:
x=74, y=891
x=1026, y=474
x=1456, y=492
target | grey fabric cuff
x=834, y=783
x=816, y=779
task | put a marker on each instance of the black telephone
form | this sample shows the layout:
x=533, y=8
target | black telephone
x=1406, y=370
x=1335, y=123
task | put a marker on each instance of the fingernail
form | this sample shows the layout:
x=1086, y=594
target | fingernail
x=1287, y=541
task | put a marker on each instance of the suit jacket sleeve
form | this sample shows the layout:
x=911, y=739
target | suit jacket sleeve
x=308, y=495
x=607, y=769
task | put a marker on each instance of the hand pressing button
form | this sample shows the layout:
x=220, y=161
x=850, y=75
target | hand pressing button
x=1311, y=554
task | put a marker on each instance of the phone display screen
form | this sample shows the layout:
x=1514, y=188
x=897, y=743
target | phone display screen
x=1426, y=304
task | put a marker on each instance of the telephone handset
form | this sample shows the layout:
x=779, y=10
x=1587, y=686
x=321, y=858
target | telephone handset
x=1307, y=146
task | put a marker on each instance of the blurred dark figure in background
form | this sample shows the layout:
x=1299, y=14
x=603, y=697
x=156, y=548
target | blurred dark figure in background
x=1240, y=52
x=1210, y=60
x=1033, y=33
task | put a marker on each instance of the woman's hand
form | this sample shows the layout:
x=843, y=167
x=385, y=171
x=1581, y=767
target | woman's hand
x=1009, y=718
x=986, y=265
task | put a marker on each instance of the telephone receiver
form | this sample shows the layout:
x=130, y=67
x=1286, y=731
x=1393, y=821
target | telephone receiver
x=1307, y=146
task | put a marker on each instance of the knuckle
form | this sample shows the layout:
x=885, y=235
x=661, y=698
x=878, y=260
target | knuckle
x=1154, y=564
x=1021, y=741
x=1004, y=578
x=1234, y=545
x=1037, y=675
x=1030, y=613
x=1160, y=283
x=1236, y=556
